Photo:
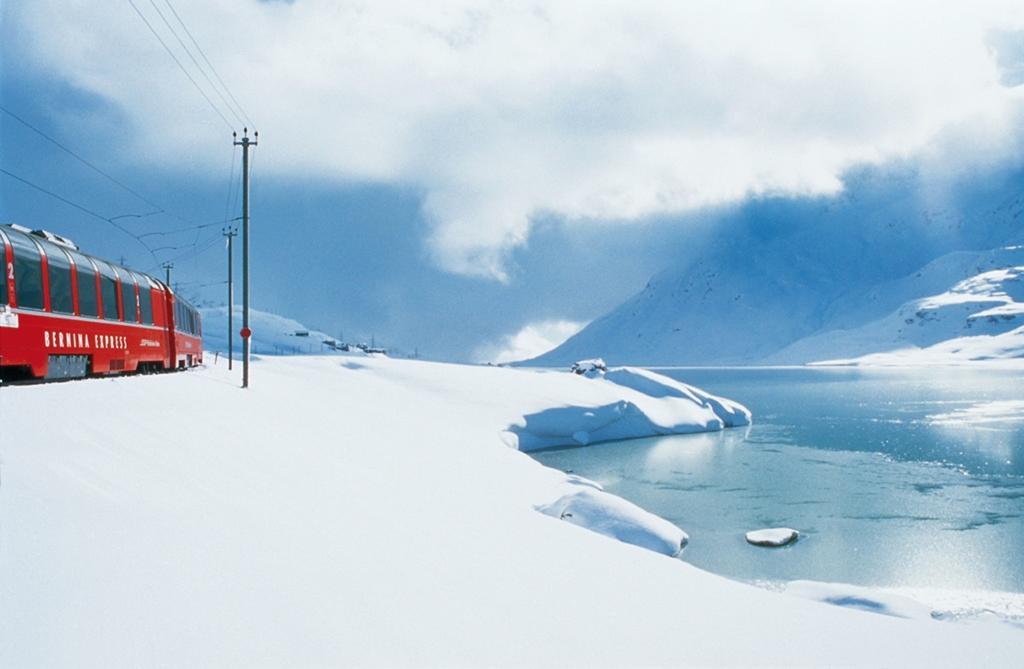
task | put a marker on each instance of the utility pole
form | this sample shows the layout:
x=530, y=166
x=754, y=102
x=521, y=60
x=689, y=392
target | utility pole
x=230, y=233
x=245, y=143
x=168, y=266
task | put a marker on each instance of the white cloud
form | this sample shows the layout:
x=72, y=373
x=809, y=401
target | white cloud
x=499, y=111
x=531, y=341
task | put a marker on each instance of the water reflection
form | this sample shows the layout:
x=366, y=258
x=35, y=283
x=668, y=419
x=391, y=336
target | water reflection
x=883, y=492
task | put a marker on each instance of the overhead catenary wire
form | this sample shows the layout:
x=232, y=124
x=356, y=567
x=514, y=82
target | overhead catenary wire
x=167, y=233
x=196, y=285
x=231, y=187
x=206, y=60
x=195, y=249
x=180, y=66
x=85, y=162
x=111, y=220
x=234, y=108
x=188, y=52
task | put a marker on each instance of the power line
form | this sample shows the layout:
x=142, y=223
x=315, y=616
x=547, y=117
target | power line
x=201, y=226
x=109, y=177
x=193, y=250
x=196, y=285
x=83, y=160
x=207, y=61
x=180, y=66
x=231, y=187
x=110, y=220
x=188, y=52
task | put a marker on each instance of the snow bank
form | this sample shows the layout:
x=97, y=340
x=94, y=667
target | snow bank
x=365, y=512
x=643, y=404
x=864, y=599
x=613, y=516
x=970, y=607
x=1005, y=349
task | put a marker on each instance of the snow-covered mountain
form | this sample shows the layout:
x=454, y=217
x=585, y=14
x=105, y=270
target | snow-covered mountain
x=798, y=282
x=979, y=317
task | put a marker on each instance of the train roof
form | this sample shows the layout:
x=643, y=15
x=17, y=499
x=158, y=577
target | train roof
x=67, y=244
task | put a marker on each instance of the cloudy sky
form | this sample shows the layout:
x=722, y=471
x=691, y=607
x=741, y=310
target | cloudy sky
x=474, y=179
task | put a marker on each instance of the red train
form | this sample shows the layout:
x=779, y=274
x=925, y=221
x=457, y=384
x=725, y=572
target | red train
x=65, y=314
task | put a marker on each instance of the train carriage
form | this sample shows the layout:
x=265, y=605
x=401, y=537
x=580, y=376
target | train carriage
x=67, y=314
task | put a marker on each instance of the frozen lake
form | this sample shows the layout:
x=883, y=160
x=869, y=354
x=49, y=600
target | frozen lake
x=895, y=478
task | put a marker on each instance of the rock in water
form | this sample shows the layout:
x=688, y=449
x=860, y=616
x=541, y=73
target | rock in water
x=773, y=537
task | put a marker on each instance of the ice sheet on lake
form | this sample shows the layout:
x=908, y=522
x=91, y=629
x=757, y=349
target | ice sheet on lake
x=1003, y=411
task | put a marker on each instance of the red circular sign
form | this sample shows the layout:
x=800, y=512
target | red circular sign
x=246, y=333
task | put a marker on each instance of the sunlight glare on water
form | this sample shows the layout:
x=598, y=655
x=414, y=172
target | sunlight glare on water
x=894, y=478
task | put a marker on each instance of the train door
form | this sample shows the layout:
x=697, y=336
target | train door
x=171, y=324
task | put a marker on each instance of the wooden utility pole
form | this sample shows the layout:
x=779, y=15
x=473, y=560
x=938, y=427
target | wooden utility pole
x=246, y=333
x=230, y=233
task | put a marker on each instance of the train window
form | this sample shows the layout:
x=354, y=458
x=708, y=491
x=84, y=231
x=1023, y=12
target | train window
x=129, y=297
x=191, y=322
x=145, y=299
x=108, y=290
x=88, y=303
x=28, y=271
x=59, y=267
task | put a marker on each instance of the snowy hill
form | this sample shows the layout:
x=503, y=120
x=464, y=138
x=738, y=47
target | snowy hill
x=370, y=512
x=271, y=334
x=781, y=278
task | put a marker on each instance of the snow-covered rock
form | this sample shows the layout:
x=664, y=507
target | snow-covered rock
x=636, y=403
x=591, y=368
x=772, y=537
x=615, y=517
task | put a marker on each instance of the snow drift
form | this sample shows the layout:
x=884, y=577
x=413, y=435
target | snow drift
x=365, y=512
x=615, y=517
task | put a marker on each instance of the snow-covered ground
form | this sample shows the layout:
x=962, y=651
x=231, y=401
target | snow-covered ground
x=361, y=511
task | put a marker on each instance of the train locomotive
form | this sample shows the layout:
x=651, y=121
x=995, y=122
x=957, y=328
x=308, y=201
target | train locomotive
x=66, y=314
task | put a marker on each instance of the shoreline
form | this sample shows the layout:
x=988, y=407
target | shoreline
x=365, y=511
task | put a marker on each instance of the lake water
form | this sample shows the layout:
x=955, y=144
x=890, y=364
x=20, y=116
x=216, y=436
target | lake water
x=895, y=478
